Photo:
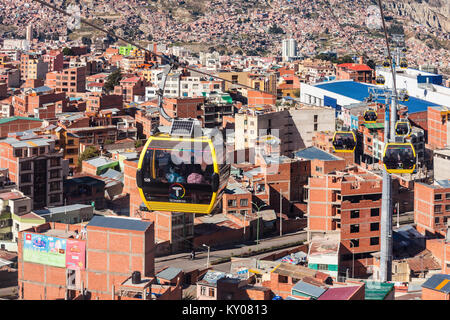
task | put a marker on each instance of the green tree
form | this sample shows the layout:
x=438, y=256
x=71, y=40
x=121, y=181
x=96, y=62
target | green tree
x=68, y=51
x=297, y=93
x=113, y=80
x=88, y=153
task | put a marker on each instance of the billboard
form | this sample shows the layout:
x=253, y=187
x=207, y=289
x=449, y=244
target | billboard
x=75, y=254
x=42, y=249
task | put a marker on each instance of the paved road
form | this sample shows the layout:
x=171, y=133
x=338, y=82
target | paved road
x=184, y=262
x=8, y=292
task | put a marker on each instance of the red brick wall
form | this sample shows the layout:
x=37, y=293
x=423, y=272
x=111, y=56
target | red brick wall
x=18, y=126
x=429, y=294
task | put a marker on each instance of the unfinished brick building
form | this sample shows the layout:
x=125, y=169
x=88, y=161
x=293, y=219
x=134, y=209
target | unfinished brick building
x=347, y=202
x=59, y=261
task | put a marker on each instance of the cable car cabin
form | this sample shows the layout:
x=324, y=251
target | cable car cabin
x=399, y=158
x=403, y=64
x=380, y=80
x=386, y=63
x=370, y=116
x=183, y=173
x=403, y=95
x=344, y=141
x=402, y=128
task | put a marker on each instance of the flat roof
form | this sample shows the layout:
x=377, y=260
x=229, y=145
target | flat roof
x=312, y=153
x=119, y=223
x=169, y=273
x=61, y=209
x=359, y=91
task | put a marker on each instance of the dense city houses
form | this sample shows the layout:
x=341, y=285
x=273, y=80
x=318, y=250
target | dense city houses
x=295, y=219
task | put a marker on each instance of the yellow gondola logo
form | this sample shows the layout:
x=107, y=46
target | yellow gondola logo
x=177, y=191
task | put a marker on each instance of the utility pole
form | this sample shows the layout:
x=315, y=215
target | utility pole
x=207, y=259
x=281, y=210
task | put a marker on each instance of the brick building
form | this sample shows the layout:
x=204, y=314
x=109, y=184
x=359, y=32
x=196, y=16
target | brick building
x=438, y=127
x=436, y=288
x=36, y=167
x=70, y=80
x=256, y=99
x=98, y=102
x=107, y=251
x=432, y=207
x=131, y=87
x=55, y=59
x=347, y=202
x=354, y=71
x=183, y=108
x=32, y=102
x=17, y=124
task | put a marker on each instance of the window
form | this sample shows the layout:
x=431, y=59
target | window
x=34, y=151
x=211, y=292
x=17, y=152
x=282, y=279
x=25, y=178
x=41, y=150
x=55, y=198
x=244, y=212
x=203, y=291
x=354, y=214
x=232, y=203
x=447, y=207
x=374, y=241
x=25, y=166
x=318, y=169
x=438, y=197
x=54, y=186
x=316, y=126
x=16, y=225
x=322, y=267
x=70, y=142
x=316, y=117
x=354, y=228
x=375, y=226
x=354, y=243
x=22, y=209
x=447, y=196
x=438, y=209
x=374, y=212
x=244, y=202
x=436, y=220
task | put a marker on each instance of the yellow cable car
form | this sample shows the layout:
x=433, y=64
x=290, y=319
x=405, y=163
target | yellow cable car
x=386, y=63
x=182, y=173
x=370, y=116
x=403, y=95
x=399, y=157
x=344, y=141
x=402, y=128
x=380, y=80
x=403, y=64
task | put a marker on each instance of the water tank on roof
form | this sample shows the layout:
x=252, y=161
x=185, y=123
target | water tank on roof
x=136, y=277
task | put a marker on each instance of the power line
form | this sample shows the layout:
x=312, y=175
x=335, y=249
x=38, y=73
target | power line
x=163, y=57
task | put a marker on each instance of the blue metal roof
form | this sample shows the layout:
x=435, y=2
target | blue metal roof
x=169, y=273
x=308, y=289
x=438, y=282
x=119, y=223
x=311, y=153
x=359, y=91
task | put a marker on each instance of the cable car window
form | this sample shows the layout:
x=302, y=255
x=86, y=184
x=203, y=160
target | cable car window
x=344, y=141
x=178, y=171
x=399, y=157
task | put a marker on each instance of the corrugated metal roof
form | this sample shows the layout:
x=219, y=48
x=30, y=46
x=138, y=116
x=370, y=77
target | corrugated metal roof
x=112, y=174
x=439, y=282
x=169, y=273
x=100, y=161
x=308, y=289
x=360, y=91
x=6, y=120
x=119, y=223
x=311, y=153
x=342, y=293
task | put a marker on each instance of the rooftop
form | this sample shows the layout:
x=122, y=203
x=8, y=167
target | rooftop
x=62, y=209
x=312, y=153
x=342, y=293
x=438, y=282
x=360, y=91
x=119, y=223
x=168, y=273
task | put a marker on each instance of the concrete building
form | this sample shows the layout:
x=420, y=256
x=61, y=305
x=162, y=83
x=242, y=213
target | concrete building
x=68, y=214
x=347, y=202
x=441, y=164
x=55, y=60
x=36, y=167
x=289, y=49
x=323, y=254
x=355, y=72
x=294, y=126
x=18, y=124
x=92, y=261
x=41, y=102
x=32, y=66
